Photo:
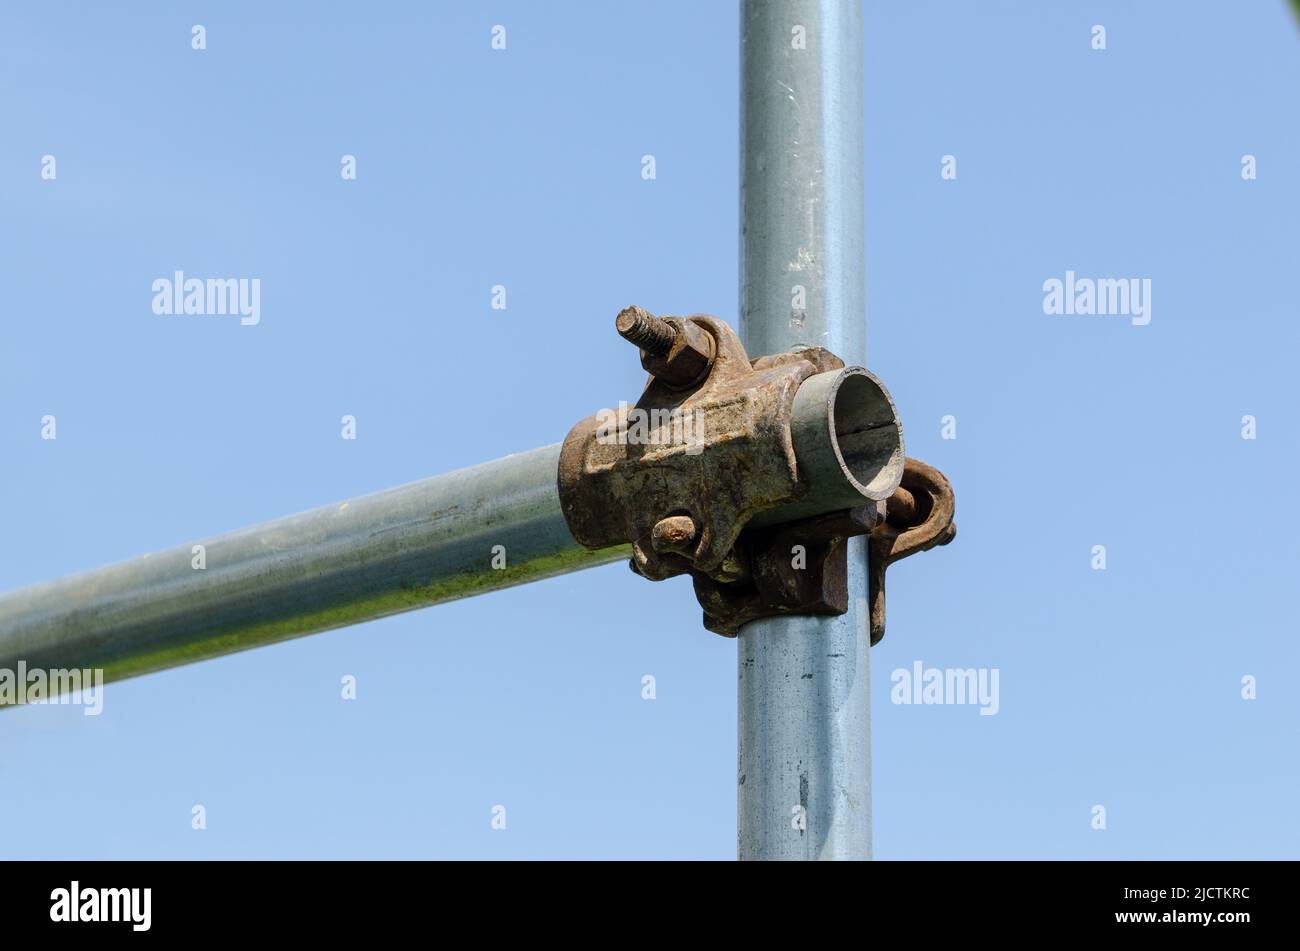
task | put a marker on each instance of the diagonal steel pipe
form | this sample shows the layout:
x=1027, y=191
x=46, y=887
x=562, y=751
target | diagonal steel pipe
x=451, y=536
x=407, y=547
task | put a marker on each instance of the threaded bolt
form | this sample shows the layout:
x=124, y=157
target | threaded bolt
x=652, y=334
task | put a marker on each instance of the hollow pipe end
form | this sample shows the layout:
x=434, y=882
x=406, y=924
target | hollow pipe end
x=848, y=439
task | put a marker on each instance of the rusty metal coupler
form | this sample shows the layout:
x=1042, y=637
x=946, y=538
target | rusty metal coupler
x=750, y=475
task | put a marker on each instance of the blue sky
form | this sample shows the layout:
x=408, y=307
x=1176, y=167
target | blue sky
x=522, y=167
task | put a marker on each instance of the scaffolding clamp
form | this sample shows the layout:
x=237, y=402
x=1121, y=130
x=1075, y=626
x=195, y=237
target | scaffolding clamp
x=750, y=475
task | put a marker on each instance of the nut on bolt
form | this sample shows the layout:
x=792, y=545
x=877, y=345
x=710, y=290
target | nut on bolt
x=676, y=350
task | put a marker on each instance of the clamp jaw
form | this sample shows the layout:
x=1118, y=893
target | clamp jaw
x=750, y=475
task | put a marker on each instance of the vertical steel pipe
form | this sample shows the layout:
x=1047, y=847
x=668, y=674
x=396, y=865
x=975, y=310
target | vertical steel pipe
x=804, y=768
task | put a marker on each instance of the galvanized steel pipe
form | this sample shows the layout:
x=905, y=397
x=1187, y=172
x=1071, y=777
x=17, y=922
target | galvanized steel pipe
x=804, y=774
x=407, y=547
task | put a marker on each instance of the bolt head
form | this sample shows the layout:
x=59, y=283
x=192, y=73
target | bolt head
x=674, y=534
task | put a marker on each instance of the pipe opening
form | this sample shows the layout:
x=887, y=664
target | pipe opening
x=867, y=438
